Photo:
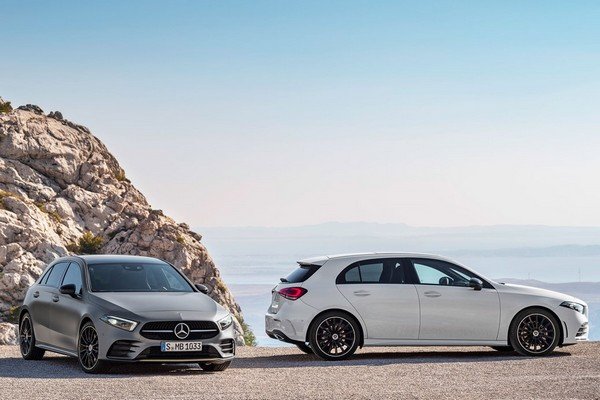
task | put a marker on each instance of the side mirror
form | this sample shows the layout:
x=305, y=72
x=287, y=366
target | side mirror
x=201, y=288
x=68, y=289
x=476, y=283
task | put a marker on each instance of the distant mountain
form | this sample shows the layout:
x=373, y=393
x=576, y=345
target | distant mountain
x=495, y=240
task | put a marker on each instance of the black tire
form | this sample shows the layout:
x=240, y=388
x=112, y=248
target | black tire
x=503, y=349
x=88, y=351
x=534, y=332
x=305, y=348
x=334, y=335
x=27, y=340
x=212, y=367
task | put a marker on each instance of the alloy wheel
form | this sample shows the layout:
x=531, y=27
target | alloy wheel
x=536, y=333
x=88, y=347
x=25, y=336
x=335, y=336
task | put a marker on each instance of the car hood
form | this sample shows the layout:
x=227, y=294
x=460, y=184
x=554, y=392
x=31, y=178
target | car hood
x=534, y=291
x=161, y=305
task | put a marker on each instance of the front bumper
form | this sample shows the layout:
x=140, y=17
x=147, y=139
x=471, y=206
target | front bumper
x=575, y=326
x=122, y=346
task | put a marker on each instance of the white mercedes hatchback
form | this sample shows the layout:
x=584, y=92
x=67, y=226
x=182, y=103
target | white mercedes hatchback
x=332, y=305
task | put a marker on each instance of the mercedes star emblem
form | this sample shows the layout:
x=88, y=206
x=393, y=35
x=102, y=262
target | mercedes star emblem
x=181, y=330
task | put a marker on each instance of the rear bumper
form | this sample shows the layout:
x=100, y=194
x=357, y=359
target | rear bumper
x=291, y=322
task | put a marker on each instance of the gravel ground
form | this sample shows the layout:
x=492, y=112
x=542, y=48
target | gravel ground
x=279, y=373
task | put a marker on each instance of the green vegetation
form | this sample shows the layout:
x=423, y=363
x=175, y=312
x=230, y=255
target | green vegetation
x=87, y=244
x=249, y=337
x=4, y=195
x=13, y=314
x=5, y=107
x=54, y=216
x=120, y=176
x=180, y=239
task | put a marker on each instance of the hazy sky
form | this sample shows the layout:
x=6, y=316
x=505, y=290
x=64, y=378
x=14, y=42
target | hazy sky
x=283, y=113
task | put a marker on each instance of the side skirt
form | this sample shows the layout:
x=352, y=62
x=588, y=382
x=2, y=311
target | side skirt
x=56, y=350
x=432, y=342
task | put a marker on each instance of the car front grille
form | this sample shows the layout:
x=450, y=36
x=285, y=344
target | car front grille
x=583, y=330
x=227, y=346
x=165, y=330
x=122, y=349
x=154, y=353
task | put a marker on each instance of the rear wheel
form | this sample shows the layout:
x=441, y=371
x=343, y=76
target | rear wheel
x=534, y=332
x=88, y=350
x=27, y=340
x=334, y=336
x=503, y=349
x=305, y=348
x=212, y=367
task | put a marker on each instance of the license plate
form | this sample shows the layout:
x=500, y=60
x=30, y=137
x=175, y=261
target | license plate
x=180, y=346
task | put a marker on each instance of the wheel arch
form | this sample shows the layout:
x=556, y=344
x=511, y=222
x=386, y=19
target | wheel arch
x=362, y=333
x=560, y=323
x=85, y=319
x=24, y=310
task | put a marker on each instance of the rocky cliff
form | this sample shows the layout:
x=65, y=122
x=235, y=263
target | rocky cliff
x=62, y=191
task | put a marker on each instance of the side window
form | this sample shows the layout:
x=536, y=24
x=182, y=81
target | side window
x=373, y=272
x=370, y=271
x=45, y=276
x=56, y=275
x=437, y=272
x=428, y=275
x=352, y=275
x=73, y=276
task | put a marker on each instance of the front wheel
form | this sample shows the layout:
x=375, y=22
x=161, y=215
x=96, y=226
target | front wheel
x=88, y=350
x=334, y=336
x=27, y=340
x=211, y=367
x=534, y=332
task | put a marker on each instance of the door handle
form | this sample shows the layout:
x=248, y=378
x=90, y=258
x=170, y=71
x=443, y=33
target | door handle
x=55, y=298
x=362, y=293
x=36, y=294
x=432, y=294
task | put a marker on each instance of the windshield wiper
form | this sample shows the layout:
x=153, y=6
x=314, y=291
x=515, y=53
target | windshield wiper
x=283, y=280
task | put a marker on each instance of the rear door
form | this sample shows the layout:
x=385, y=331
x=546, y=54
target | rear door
x=450, y=309
x=381, y=293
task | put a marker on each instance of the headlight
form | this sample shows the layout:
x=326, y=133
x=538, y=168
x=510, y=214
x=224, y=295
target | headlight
x=226, y=322
x=120, y=323
x=580, y=308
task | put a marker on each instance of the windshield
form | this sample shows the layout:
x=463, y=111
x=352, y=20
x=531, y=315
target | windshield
x=136, y=277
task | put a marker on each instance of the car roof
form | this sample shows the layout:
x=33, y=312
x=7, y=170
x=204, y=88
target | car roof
x=361, y=256
x=116, y=258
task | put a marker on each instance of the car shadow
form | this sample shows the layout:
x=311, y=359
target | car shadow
x=60, y=367
x=383, y=358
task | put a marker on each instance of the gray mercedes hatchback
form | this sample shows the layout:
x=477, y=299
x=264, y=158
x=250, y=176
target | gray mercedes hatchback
x=109, y=308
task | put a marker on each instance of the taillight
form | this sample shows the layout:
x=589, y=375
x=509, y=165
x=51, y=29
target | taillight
x=292, y=293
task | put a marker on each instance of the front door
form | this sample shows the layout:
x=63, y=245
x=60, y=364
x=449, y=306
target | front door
x=67, y=311
x=388, y=305
x=450, y=309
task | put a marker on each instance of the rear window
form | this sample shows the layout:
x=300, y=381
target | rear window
x=302, y=273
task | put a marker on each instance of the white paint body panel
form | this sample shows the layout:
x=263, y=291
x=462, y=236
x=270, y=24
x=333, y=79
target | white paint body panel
x=403, y=315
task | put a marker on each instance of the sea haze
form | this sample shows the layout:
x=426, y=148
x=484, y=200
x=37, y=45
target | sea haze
x=566, y=259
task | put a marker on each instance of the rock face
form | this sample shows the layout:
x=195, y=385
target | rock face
x=59, y=182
